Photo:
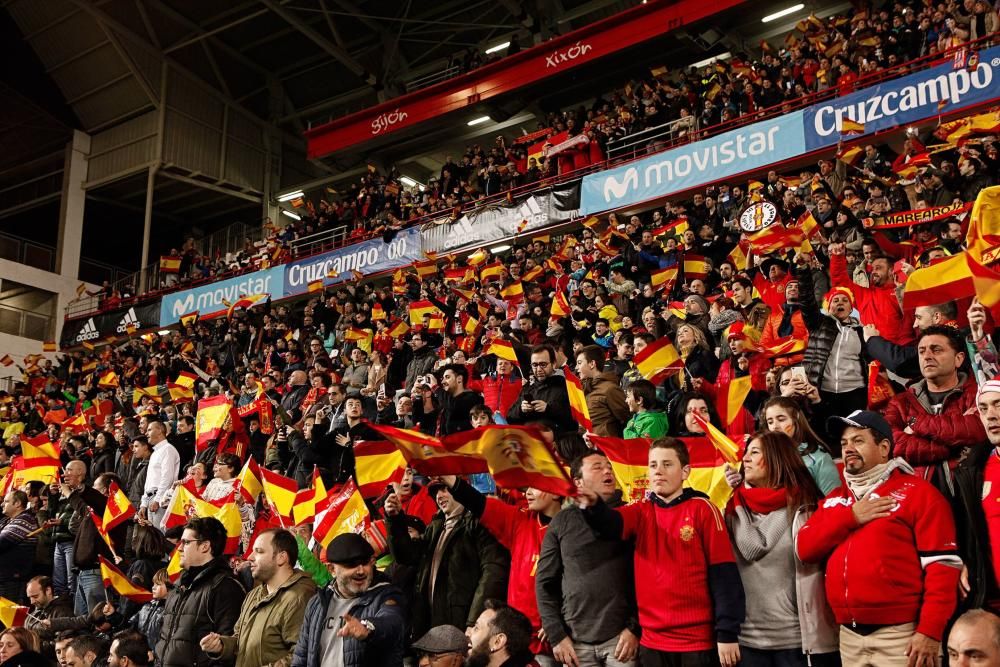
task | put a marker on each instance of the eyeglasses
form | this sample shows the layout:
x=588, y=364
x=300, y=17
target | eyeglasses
x=183, y=542
x=540, y=364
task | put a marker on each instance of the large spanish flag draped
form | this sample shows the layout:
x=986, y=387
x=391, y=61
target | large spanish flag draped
x=577, y=400
x=186, y=505
x=518, y=456
x=376, y=465
x=114, y=578
x=118, y=508
x=630, y=464
x=428, y=455
x=346, y=512
x=984, y=222
x=658, y=361
x=12, y=615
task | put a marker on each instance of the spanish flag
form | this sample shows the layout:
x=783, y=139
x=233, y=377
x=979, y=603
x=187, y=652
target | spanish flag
x=246, y=302
x=490, y=272
x=378, y=312
x=503, y=349
x=185, y=505
x=357, y=334
x=40, y=449
x=420, y=308
x=533, y=274
x=470, y=325
x=115, y=579
x=694, y=267
x=118, y=508
x=428, y=455
x=102, y=531
x=776, y=238
x=850, y=155
x=170, y=264
x=398, y=328
x=851, y=127
x=739, y=255
x=729, y=450
x=310, y=500
x=185, y=379
x=376, y=464
x=213, y=417
x=174, y=568
x=662, y=277
x=315, y=285
x=658, y=361
x=809, y=225
x=577, y=400
x=984, y=222
x=189, y=319
x=345, y=513
x=560, y=305
x=517, y=456
x=179, y=393
x=941, y=282
x=279, y=491
x=426, y=269
x=12, y=615
x=476, y=258
x=730, y=397
x=513, y=292
x=249, y=480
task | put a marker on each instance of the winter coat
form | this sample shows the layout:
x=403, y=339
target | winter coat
x=970, y=525
x=473, y=568
x=647, y=424
x=500, y=392
x=422, y=363
x=936, y=437
x=551, y=390
x=269, y=623
x=824, y=331
x=381, y=604
x=59, y=609
x=206, y=600
x=606, y=404
x=454, y=411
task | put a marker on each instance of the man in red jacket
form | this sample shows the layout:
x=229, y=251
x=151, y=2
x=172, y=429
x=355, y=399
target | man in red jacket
x=878, y=303
x=935, y=419
x=888, y=539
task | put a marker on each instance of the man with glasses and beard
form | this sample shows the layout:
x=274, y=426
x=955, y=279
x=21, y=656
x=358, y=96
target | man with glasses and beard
x=501, y=637
x=545, y=399
x=356, y=621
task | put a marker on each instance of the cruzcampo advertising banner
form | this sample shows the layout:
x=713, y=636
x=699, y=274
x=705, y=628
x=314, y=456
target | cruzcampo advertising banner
x=734, y=152
x=949, y=87
x=338, y=265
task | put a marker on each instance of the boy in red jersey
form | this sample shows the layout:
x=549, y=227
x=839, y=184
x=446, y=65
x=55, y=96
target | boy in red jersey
x=689, y=593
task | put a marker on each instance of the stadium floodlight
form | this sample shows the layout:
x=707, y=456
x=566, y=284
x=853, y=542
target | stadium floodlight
x=293, y=216
x=499, y=249
x=288, y=196
x=784, y=12
x=498, y=47
x=479, y=121
x=408, y=182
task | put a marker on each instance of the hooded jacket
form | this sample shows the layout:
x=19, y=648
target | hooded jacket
x=606, y=404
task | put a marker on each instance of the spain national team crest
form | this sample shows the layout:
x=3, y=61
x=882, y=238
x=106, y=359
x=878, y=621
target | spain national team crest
x=687, y=532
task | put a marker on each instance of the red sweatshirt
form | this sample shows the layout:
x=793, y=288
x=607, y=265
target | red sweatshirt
x=900, y=569
x=522, y=534
x=687, y=586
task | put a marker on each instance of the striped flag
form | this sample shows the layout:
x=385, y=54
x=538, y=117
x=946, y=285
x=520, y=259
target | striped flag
x=851, y=127
x=102, y=531
x=12, y=615
x=186, y=505
x=249, y=480
x=315, y=285
x=663, y=277
x=376, y=465
x=420, y=308
x=730, y=397
x=532, y=274
x=513, y=292
x=49, y=346
x=577, y=400
x=174, y=568
x=503, y=349
x=694, y=267
x=279, y=490
x=346, y=513
x=189, y=319
x=378, y=312
x=186, y=379
x=115, y=579
x=517, y=456
x=170, y=264
x=428, y=455
x=490, y=272
x=310, y=500
x=560, y=305
x=426, y=269
x=118, y=508
x=658, y=361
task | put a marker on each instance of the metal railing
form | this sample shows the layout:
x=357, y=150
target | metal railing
x=428, y=80
x=25, y=323
x=658, y=139
x=674, y=130
x=43, y=256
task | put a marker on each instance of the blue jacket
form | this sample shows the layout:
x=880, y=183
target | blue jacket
x=382, y=604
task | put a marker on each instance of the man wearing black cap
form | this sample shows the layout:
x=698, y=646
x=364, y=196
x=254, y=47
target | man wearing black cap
x=356, y=621
x=442, y=646
x=888, y=538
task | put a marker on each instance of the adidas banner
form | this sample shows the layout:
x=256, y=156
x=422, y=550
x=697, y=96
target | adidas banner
x=116, y=323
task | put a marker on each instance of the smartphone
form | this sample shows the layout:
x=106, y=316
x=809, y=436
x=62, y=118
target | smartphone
x=799, y=373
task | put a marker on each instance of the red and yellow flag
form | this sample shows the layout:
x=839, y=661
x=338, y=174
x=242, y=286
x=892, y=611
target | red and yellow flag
x=378, y=312
x=115, y=579
x=186, y=505
x=345, y=513
x=533, y=274
x=49, y=346
x=503, y=349
x=426, y=269
x=517, y=456
x=513, y=292
x=279, y=491
x=170, y=264
x=577, y=400
x=428, y=455
x=376, y=465
x=490, y=272
x=420, y=308
x=694, y=267
x=212, y=419
x=12, y=615
x=109, y=381
x=731, y=396
x=189, y=319
x=118, y=508
x=851, y=127
x=662, y=277
x=560, y=305
x=658, y=361
x=310, y=500
x=249, y=480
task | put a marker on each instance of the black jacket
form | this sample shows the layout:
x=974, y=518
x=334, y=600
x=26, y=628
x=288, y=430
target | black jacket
x=552, y=390
x=899, y=359
x=88, y=545
x=454, y=411
x=207, y=599
x=970, y=525
x=474, y=567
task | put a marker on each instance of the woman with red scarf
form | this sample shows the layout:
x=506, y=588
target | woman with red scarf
x=788, y=621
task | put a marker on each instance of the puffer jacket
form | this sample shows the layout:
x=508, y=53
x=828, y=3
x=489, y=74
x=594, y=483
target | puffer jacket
x=937, y=435
x=824, y=331
x=206, y=600
x=606, y=403
x=500, y=392
x=473, y=568
x=422, y=363
x=269, y=624
x=381, y=604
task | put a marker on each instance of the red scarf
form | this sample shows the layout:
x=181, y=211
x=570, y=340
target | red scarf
x=760, y=500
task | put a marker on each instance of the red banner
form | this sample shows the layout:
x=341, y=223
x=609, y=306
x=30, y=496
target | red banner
x=587, y=44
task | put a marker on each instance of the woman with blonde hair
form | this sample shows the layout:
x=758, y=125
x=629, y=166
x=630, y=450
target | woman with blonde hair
x=19, y=647
x=700, y=362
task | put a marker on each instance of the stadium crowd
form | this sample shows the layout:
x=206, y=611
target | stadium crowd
x=857, y=526
x=839, y=52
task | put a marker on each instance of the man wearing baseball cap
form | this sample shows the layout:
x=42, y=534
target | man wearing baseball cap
x=888, y=539
x=442, y=646
x=356, y=621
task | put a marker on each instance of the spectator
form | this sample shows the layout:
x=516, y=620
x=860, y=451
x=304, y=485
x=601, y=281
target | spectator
x=884, y=520
x=163, y=468
x=646, y=421
x=20, y=648
x=456, y=400
x=18, y=544
x=605, y=399
x=975, y=639
x=443, y=645
x=46, y=606
x=500, y=637
x=545, y=399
